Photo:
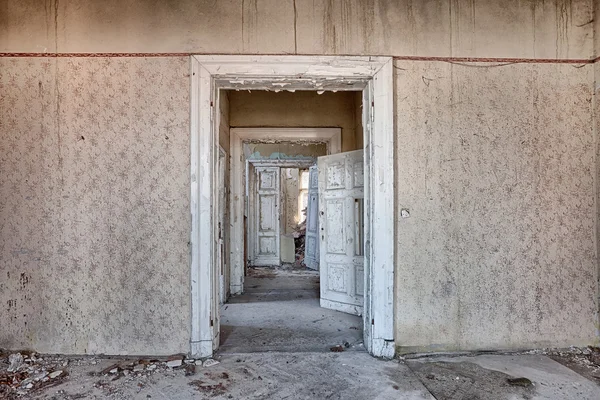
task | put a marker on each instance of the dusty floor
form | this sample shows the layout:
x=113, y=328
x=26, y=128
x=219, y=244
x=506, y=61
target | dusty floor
x=310, y=375
x=347, y=375
x=276, y=344
x=279, y=311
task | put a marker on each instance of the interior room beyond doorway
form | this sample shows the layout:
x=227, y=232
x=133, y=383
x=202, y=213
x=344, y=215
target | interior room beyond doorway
x=279, y=309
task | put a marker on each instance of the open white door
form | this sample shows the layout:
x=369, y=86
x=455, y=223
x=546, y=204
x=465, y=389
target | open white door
x=266, y=216
x=311, y=249
x=341, y=210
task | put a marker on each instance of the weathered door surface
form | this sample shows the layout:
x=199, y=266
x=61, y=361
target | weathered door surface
x=221, y=224
x=341, y=211
x=266, y=209
x=217, y=278
x=311, y=249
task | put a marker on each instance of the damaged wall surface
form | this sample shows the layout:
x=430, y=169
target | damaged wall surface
x=497, y=164
x=437, y=28
x=94, y=205
x=502, y=209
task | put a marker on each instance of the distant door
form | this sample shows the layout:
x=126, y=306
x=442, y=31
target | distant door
x=341, y=210
x=266, y=212
x=311, y=247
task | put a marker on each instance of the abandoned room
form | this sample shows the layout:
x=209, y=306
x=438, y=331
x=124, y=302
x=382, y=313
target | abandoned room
x=391, y=199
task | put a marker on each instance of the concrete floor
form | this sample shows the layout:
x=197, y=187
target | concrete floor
x=495, y=377
x=279, y=311
x=346, y=375
x=275, y=345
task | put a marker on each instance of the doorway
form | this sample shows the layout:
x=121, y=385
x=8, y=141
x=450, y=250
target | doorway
x=372, y=76
x=282, y=306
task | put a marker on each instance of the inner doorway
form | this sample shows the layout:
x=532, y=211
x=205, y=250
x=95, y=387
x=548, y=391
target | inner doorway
x=372, y=76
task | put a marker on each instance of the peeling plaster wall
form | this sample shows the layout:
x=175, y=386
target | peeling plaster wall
x=284, y=151
x=94, y=205
x=497, y=167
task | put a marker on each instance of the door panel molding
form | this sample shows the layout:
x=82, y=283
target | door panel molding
x=339, y=233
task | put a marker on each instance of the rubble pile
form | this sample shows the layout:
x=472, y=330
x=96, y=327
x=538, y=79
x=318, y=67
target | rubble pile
x=140, y=372
x=299, y=242
x=25, y=372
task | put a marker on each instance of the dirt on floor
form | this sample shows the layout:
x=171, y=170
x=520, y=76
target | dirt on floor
x=466, y=380
x=346, y=375
x=310, y=375
x=585, y=361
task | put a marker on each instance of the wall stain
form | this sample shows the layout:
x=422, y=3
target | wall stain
x=24, y=280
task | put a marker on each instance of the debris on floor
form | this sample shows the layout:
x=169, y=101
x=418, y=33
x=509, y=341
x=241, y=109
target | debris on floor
x=27, y=372
x=209, y=362
x=583, y=360
x=523, y=382
x=274, y=375
x=300, y=243
x=461, y=380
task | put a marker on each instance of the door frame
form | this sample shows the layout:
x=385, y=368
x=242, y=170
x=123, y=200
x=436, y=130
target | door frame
x=237, y=182
x=371, y=75
x=250, y=203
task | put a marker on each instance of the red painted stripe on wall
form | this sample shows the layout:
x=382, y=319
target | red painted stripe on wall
x=79, y=55
x=398, y=58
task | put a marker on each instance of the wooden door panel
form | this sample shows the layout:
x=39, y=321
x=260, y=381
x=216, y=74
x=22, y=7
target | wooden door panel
x=266, y=205
x=341, y=194
x=311, y=256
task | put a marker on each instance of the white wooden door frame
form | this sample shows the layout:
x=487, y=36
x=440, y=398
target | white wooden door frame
x=237, y=138
x=372, y=75
x=250, y=203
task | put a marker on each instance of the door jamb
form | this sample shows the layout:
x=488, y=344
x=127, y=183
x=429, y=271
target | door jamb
x=373, y=75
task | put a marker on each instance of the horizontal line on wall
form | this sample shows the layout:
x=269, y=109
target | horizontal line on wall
x=398, y=58
x=498, y=60
x=79, y=55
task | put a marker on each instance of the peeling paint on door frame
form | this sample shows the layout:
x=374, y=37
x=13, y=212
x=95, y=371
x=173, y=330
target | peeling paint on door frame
x=372, y=75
